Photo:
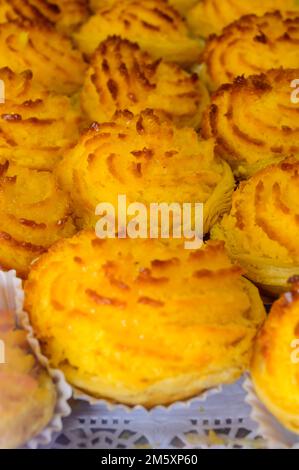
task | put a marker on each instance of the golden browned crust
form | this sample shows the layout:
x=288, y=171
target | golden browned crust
x=48, y=54
x=154, y=24
x=261, y=231
x=254, y=120
x=252, y=45
x=65, y=14
x=211, y=16
x=121, y=76
x=147, y=159
x=125, y=323
x=275, y=367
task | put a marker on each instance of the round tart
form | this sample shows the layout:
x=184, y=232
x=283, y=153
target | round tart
x=34, y=213
x=146, y=159
x=121, y=76
x=211, y=16
x=275, y=364
x=65, y=14
x=154, y=24
x=254, y=121
x=37, y=126
x=111, y=314
x=251, y=45
x=39, y=47
x=27, y=393
x=261, y=231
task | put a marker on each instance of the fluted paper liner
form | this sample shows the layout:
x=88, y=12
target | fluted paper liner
x=275, y=435
x=12, y=298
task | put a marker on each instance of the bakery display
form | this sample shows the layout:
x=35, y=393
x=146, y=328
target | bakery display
x=34, y=213
x=261, y=231
x=254, y=121
x=126, y=304
x=275, y=365
x=121, y=76
x=66, y=15
x=149, y=175
x=251, y=45
x=37, y=126
x=211, y=16
x=154, y=24
x=27, y=393
x=145, y=158
x=37, y=46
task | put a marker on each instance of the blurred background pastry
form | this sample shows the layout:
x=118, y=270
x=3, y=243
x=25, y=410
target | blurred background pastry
x=261, y=231
x=275, y=364
x=48, y=54
x=254, y=121
x=121, y=76
x=37, y=126
x=34, y=213
x=127, y=304
x=147, y=159
x=66, y=15
x=27, y=393
x=154, y=24
x=251, y=45
x=211, y=16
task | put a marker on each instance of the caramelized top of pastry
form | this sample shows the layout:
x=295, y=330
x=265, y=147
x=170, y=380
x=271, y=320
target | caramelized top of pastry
x=121, y=76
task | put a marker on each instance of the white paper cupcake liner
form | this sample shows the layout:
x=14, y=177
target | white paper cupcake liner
x=178, y=405
x=12, y=298
x=275, y=435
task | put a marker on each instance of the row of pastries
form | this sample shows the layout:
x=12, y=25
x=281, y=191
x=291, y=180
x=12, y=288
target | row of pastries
x=163, y=101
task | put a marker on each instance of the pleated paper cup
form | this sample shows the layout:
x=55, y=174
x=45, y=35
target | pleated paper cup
x=12, y=299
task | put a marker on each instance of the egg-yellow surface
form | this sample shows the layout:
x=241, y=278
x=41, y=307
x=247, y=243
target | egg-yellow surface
x=255, y=120
x=145, y=158
x=121, y=76
x=154, y=24
x=261, y=231
x=275, y=364
x=142, y=321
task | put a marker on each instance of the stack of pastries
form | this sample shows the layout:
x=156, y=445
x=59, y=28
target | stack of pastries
x=104, y=98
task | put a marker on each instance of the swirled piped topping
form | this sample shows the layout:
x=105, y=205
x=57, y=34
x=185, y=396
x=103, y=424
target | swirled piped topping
x=65, y=14
x=254, y=120
x=34, y=213
x=154, y=24
x=145, y=158
x=252, y=45
x=211, y=16
x=121, y=76
x=48, y=54
x=36, y=126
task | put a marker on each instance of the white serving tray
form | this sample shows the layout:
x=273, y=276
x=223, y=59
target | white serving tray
x=222, y=421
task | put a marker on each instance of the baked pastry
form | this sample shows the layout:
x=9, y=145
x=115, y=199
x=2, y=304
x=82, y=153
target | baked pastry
x=146, y=159
x=37, y=126
x=34, y=213
x=275, y=365
x=121, y=76
x=211, y=16
x=65, y=14
x=127, y=304
x=154, y=24
x=39, y=47
x=182, y=6
x=251, y=45
x=261, y=231
x=27, y=393
x=254, y=121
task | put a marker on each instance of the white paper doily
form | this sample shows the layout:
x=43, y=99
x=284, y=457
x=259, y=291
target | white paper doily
x=221, y=422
